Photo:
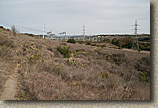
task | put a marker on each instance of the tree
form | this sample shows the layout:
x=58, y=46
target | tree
x=14, y=31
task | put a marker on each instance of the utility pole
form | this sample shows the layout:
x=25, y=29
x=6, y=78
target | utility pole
x=43, y=30
x=65, y=36
x=84, y=31
x=65, y=33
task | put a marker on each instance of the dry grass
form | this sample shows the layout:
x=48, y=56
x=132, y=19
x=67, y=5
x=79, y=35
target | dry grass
x=90, y=73
x=81, y=79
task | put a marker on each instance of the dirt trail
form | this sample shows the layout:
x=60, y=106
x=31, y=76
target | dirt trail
x=10, y=87
x=147, y=52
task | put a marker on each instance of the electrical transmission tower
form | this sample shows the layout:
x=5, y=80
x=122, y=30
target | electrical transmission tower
x=43, y=30
x=84, y=31
x=136, y=33
x=136, y=27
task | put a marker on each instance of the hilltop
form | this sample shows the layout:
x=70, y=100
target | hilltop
x=32, y=68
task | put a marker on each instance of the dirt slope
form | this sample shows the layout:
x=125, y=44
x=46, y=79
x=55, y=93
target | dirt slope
x=90, y=72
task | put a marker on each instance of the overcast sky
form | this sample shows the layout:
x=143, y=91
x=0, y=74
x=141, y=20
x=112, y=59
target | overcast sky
x=99, y=16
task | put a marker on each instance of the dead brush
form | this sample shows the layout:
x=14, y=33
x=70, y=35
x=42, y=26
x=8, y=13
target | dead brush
x=6, y=42
x=6, y=52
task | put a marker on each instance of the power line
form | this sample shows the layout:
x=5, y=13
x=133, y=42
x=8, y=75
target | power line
x=27, y=28
x=30, y=29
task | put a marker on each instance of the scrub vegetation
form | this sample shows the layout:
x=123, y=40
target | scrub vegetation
x=53, y=70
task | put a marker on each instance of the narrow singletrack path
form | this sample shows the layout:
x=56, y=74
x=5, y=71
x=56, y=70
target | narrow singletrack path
x=10, y=87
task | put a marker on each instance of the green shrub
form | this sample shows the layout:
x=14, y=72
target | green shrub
x=103, y=46
x=80, y=42
x=74, y=62
x=144, y=46
x=143, y=66
x=126, y=42
x=65, y=50
x=88, y=43
x=115, y=42
x=144, y=77
x=34, y=58
x=71, y=41
x=56, y=70
x=123, y=42
x=105, y=75
x=93, y=45
x=139, y=50
x=106, y=40
x=144, y=39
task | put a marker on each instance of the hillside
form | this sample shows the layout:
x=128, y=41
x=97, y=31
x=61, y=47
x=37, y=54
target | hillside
x=41, y=69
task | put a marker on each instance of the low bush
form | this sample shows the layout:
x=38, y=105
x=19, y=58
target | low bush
x=123, y=42
x=34, y=58
x=127, y=43
x=80, y=42
x=144, y=46
x=73, y=62
x=107, y=40
x=6, y=42
x=144, y=39
x=93, y=45
x=65, y=50
x=5, y=51
x=143, y=66
x=144, y=77
x=1, y=26
x=115, y=42
x=105, y=75
x=88, y=43
x=103, y=46
x=29, y=34
x=71, y=41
